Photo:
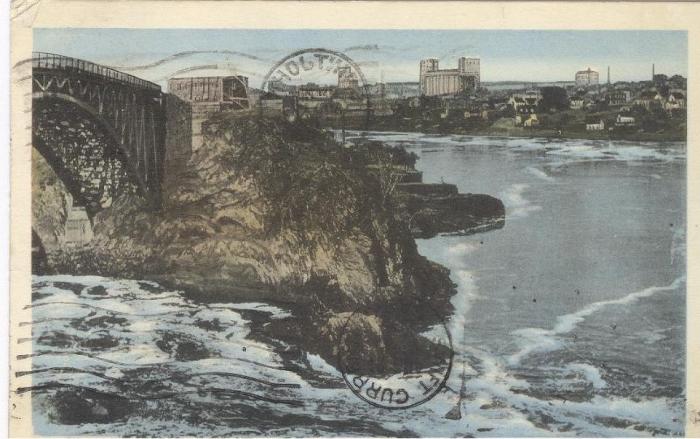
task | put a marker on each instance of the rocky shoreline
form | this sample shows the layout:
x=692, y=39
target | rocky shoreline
x=270, y=211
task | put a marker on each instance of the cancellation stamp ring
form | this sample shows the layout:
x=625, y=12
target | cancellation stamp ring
x=301, y=79
x=413, y=384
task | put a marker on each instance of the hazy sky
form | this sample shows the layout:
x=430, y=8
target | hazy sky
x=393, y=54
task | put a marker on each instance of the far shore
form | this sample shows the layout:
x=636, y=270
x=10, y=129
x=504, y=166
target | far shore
x=522, y=132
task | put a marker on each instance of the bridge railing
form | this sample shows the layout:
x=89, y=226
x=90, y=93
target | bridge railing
x=53, y=61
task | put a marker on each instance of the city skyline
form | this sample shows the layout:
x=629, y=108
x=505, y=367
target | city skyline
x=384, y=55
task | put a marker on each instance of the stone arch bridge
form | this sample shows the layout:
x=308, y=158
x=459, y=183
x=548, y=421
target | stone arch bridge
x=102, y=131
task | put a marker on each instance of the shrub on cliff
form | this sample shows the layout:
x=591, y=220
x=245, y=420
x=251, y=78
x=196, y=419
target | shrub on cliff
x=307, y=181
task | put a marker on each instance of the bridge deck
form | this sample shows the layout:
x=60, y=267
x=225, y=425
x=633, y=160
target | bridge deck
x=44, y=60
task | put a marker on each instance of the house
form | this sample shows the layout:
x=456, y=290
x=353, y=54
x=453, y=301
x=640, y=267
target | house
x=531, y=93
x=675, y=101
x=594, y=124
x=523, y=105
x=619, y=97
x=525, y=102
x=526, y=120
x=624, y=120
x=532, y=121
x=576, y=102
x=532, y=101
x=648, y=99
x=516, y=102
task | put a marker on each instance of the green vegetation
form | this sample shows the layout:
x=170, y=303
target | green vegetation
x=309, y=181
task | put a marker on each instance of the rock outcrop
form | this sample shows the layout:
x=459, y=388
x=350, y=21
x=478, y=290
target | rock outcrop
x=270, y=211
x=50, y=203
x=430, y=209
x=265, y=210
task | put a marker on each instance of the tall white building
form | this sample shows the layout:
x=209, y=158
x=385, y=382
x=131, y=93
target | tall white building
x=435, y=82
x=585, y=78
x=470, y=66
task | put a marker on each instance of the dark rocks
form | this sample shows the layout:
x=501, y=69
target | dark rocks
x=76, y=288
x=101, y=342
x=56, y=339
x=102, y=322
x=151, y=287
x=437, y=208
x=62, y=340
x=82, y=406
x=97, y=290
x=38, y=296
x=209, y=325
x=361, y=343
x=182, y=347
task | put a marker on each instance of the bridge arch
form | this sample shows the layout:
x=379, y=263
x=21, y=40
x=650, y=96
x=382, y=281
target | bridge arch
x=83, y=151
x=102, y=131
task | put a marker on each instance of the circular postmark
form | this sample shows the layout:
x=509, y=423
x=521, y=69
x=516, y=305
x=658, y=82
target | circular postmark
x=391, y=365
x=317, y=81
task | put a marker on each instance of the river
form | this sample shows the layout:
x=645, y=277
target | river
x=570, y=320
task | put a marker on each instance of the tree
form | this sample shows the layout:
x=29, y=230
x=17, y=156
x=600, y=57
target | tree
x=553, y=98
x=654, y=121
x=387, y=175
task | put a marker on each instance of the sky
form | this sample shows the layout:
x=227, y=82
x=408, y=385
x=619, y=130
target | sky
x=391, y=55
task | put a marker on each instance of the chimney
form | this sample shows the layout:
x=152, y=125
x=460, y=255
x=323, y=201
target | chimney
x=608, y=75
x=652, y=72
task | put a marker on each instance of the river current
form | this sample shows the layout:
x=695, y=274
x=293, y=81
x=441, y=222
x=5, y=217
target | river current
x=570, y=320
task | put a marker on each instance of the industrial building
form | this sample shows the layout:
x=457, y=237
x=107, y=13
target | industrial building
x=211, y=93
x=435, y=82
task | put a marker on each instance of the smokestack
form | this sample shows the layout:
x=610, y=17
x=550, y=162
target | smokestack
x=653, y=73
x=608, y=75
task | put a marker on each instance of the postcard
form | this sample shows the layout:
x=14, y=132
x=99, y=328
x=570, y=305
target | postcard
x=353, y=219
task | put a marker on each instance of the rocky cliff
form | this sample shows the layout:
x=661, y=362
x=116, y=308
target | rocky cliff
x=270, y=211
x=50, y=203
x=265, y=210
